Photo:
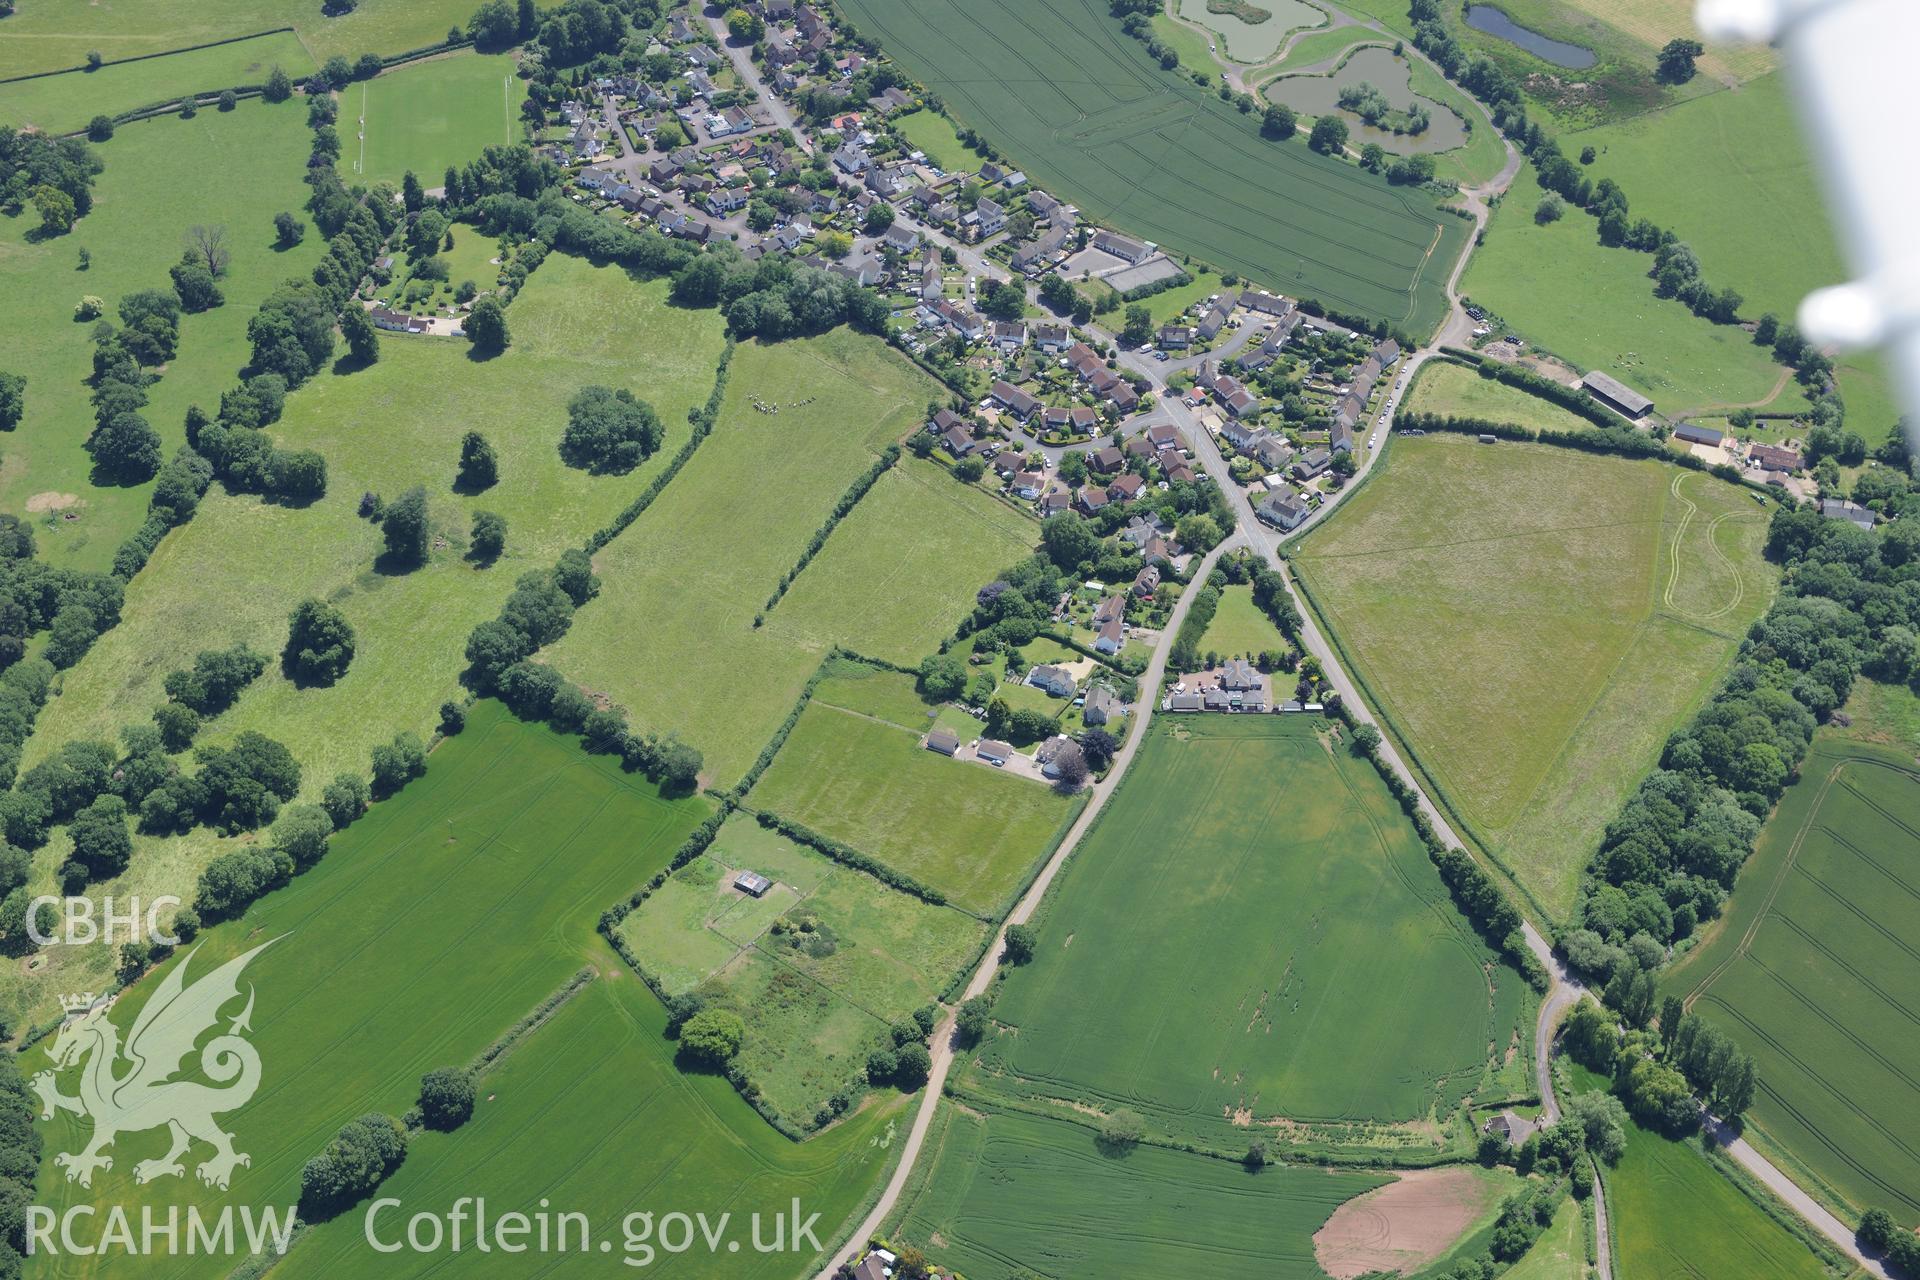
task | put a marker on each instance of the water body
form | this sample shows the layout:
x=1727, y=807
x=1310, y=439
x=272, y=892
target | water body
x=1495, y=22
x=1317, y=95
x=1254, y=42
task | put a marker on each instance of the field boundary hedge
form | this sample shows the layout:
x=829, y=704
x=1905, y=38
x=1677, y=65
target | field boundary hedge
x=862, y=485
x=703, y=420
x=491, y=1056
x=84, y=69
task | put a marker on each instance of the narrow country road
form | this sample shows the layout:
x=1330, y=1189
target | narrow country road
x=943, y=1048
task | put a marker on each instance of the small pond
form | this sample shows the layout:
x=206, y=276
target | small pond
x=1251, y=42
x=1495, y=22
x=1317, y=95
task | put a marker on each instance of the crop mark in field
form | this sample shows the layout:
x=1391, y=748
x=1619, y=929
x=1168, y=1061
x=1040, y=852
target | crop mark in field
x=1677, y=544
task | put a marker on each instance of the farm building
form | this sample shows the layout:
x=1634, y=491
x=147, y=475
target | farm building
x=1774, y=457
x=994, y=751
x=1853, y=512
x=1693, y=434
x=945, y=741
x=1617, y=395
x=752, y=883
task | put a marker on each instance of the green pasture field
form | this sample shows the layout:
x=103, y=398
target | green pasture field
x=236, y=169
x=235, y=572
x=1006, y=1192
x=1560, y=288
x=1342, y=990
x=672, y=637
x=1533, y=622
x=1812, y=970
x=1089, y=116
x=900, y=572
x=431, y=927
x=811, y=1018
x=1676, y=1217
x=592, y=1116
x=966, y=829
x=1561, y=1251
x=1239, y=627
x=1731, y=175
x=1168, y=304
x=428, y=115
x=54, y=37
x=929, y=131
x=64, y=103
x=1447, y=388
x=1190, y=44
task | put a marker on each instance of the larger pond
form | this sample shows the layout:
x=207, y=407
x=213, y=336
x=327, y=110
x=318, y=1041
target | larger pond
x=1376, y=65
x=1495, y=22
x=1251, y=41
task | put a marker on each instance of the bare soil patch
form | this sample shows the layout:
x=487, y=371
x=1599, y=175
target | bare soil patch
x=1402, y=1226
x=50, y=501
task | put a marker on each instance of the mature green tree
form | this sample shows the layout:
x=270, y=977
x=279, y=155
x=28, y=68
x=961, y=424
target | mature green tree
x=942, y=677
x=1279, y=122
x=609, y=431
x=320, y=644
x=344, y=799
x=446, y=1098
x=405, y=528
x=302, y=833
x=494, y=26
x=712, y=1037
x=680, y=765
x=1139, y=325
x=215, y=679
x=13, y=400
x=126, y=449
x=489, y=537
x=288, y=230
x=56, y=209
x=397, y=763
x=1020, y=943
x=102, y=846
x=278, y=86
x=363, y=340
x=486, y=326
x=195, y=286
x=1677, y=58
x=1329, y=135
x=479, y=465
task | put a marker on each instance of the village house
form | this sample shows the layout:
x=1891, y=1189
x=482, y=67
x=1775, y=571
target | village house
x=1125, y=488
x=993, y=751
x=1265, y=303
x=1146, y=582
x=1027, y=485
x=1174, y=337
x=1013, y=400
x=1124, y=247
x=1312, y=463
x=1055, y=503
x=1774, y=457
x=1106, y=460
x=1050, y=338
x=1009, y=335
x=945, y=741
x=1059, y=755
x=1110, y=637
x=1091, y=500
x=1100, y=707
x=1282, y=509
x=900, y=239
x=1057, y=681
x=960, y=320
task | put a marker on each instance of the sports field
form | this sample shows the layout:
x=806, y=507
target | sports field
x=899, y=572
x=431, y=927
x=853, y=769
x=1239, y=629
x=53, y=37
x=1254, y=936
x=1813, y=970
x=1091, y=117
x=819, y=967
x=427, y=115
x=62, y=103
x=591, y=1116
x=1561, y=289
x=1533, y=622
x=1444, y=387
x=236, y=169
x=672, y=636
x=1005, y=1192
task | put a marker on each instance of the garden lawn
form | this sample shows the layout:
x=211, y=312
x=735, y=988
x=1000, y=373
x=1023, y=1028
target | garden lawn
x=928, y=131
x=672, y=638
x=64, y=103
x=1812, y=971
x=1732, y=176
x=818, y=968
x=1558, y=287
x=235, y=572
x=1006, y=1193
x=53, y=37
x=428, y=115
x=900, y=571
x=1239, y=628
x=1533, y=622
x=431, y=927
x=1170, y=303
x=1254, y=934
x=1444, y=387
x=967, y=830
x=1088, y=115
x=235, y=169
x=592, y=1116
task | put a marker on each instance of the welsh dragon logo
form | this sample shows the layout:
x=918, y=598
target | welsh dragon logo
x=129, y=1089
